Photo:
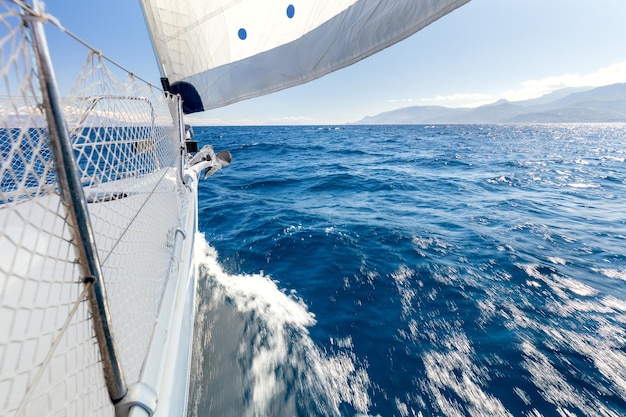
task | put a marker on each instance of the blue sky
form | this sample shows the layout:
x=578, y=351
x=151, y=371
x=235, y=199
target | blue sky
x=482, y=52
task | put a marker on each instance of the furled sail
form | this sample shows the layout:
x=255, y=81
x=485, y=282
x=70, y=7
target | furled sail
x=217, y=52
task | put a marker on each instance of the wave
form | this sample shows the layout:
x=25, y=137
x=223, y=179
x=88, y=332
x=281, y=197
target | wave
x=253, y=355
x=468, y=271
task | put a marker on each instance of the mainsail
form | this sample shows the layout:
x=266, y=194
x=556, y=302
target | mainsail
x=217, y=52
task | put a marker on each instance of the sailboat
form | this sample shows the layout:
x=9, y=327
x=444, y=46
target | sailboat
x=98, y=186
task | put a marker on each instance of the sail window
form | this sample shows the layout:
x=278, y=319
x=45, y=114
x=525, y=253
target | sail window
x=291, y=11
x=242, y=34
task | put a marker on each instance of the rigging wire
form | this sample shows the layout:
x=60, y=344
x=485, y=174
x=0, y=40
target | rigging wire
x=48, y=18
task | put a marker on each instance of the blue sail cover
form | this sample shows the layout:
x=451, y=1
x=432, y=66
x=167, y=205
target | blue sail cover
x=217, y=52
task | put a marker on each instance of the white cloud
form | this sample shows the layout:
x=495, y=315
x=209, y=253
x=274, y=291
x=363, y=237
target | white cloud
x=612, y=74
x=216, y=121
x=289, y=120
x=202, y=119
x=459, y=100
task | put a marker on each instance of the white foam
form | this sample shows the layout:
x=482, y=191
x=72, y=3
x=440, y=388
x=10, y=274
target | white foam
x=613, y=273
x=582, y=185
x=557, y=261
x=600, y=342
x=402, y=277
x=453, y=369
x=284, y=342
x=433, y=243
x=602, y=351
x=560, y=285
x=614, y=303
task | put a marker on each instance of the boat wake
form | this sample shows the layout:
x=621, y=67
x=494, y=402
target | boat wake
x=253, y=354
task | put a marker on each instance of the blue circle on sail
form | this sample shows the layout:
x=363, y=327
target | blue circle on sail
x=291, y=11
x=242, y=34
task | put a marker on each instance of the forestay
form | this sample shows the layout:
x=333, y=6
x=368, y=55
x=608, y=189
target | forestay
x=217, y=52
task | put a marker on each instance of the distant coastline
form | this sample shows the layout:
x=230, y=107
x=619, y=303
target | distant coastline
x=605, y=104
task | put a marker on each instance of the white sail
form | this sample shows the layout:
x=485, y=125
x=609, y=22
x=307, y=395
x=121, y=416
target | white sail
x=217, y=52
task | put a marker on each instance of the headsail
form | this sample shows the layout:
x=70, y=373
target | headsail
x=217, y=52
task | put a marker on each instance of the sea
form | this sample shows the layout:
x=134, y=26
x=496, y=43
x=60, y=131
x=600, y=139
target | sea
x=415, y=270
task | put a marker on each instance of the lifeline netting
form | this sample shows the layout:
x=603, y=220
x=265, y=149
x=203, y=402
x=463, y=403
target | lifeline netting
x=127, y=149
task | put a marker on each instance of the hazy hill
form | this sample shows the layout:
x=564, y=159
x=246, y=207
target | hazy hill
x=572, y=105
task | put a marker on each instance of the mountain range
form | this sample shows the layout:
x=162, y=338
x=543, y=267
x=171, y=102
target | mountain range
x=605, y=104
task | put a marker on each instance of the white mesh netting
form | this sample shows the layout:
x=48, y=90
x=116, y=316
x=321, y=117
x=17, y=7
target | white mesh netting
x=127, y=148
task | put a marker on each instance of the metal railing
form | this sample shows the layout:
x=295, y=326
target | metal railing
x=91, y=197
x=73, y=198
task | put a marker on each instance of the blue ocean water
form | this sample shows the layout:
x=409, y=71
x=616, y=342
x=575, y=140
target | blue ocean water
x=413, y=271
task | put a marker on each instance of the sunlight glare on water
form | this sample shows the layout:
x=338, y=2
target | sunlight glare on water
x=462, y=270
